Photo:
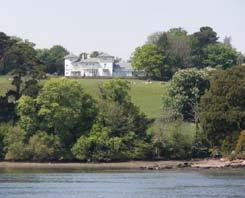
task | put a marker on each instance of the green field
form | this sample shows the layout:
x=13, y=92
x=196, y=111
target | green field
x=146, y=96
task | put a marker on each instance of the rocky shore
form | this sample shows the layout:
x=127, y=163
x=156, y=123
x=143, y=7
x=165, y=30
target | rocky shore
x=131, y=165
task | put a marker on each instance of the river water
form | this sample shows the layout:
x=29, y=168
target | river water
x=156, y=184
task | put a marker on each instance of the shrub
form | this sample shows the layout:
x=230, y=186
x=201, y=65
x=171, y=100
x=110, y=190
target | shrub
x=173, y=140
x=14, y=145
x=44, y=147
x=93, y=147
x=100, y=145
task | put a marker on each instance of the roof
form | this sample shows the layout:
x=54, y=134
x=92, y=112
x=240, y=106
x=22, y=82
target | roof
x=89, y=60
x=105, y=55
x=125, y=65
x=70, y=56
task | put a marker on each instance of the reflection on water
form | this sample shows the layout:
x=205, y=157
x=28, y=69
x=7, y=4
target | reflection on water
x=74, y=183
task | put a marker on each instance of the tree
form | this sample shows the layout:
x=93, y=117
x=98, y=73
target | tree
x=185, y=90
x=22, y=57
x=223, y=106
x=220, y=56
x=150, y=59
x=179, y=48
x=66, y=115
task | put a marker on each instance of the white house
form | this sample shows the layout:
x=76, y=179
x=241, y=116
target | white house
x=103, y=65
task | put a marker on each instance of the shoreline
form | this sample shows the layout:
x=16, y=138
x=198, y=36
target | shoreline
x=130, y=165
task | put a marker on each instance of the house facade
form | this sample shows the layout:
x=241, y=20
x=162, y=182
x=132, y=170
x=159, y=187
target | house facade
x=103, y=65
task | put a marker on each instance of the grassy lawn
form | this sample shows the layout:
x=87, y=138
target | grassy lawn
x=5, y=84
x=146, y=96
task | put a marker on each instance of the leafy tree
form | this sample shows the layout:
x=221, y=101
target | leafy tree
x=66, y=115
x=220, y=56
x=150, y=59
x=223, y=106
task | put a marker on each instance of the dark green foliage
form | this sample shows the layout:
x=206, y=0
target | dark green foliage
x=7, y=109
x=31, y=88
x=5, y=44
x=199, y=40
x=200, y=146
x=223, y=106
x=53, y=59
x=219, y=56
x=206, y=36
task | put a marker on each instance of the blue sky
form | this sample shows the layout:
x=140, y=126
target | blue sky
x=117, y=26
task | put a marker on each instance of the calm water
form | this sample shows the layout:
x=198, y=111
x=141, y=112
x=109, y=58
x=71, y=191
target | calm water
x=75, y=184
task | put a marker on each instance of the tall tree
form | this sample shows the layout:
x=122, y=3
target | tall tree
x=150, y=59
x=227, y=41
x=199, y=40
